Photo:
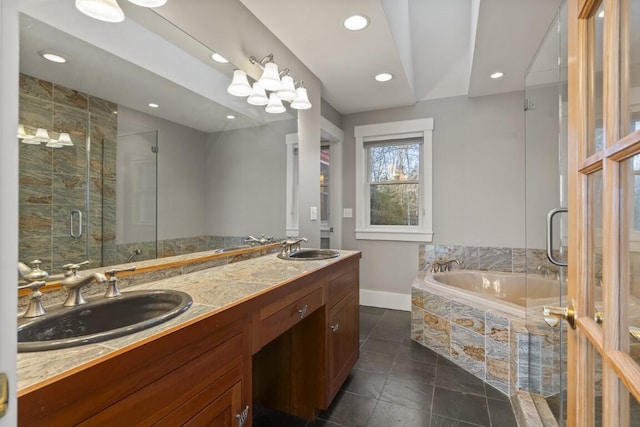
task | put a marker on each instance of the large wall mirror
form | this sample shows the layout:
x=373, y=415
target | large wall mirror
x=137, y=181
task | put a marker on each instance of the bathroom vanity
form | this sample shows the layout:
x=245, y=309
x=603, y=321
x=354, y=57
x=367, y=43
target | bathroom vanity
x=280, y=333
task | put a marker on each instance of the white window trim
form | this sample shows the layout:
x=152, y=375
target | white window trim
x=382, y=131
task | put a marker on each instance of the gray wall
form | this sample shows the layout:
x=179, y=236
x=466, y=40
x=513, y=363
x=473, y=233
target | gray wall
x=182, y=175
x=479, y=182
x=246, y=176
x=542, y=152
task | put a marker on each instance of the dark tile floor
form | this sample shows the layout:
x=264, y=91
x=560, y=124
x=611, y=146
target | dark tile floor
x=398, y=383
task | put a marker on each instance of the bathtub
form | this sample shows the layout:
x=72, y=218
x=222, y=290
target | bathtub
x=506, y=292
x=478, y=320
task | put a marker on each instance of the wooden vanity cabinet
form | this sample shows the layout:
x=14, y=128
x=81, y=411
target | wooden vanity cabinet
x=342, y=332
x=200, y=372
x=290, y=348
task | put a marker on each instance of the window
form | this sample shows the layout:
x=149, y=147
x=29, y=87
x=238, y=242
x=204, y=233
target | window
x=393, y=178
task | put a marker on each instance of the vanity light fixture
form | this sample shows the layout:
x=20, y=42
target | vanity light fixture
x=42, y=135
x=383, y=77
x=53, y=57
x=356, y=22
x=271, y=88
x=497, y=75
x=109, y=10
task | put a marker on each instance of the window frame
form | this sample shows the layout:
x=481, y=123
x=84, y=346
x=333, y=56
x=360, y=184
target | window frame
x=391, y=131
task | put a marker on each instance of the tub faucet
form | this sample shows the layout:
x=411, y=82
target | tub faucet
x=443, y=264
x=74, y=283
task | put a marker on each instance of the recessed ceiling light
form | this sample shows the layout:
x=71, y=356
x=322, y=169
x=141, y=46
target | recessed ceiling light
x=53, y=57
x=231, y=116
x=601, y=14
x=356, y=22
x=497, y=75
x=219, y=58
x=153, y=105
x=384, y=77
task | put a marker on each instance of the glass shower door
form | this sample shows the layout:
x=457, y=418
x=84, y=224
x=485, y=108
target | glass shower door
x=543, y=372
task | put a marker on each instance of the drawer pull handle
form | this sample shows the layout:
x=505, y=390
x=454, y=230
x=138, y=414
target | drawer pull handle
x=242, y=416
x=303, y=311
x=334, y=328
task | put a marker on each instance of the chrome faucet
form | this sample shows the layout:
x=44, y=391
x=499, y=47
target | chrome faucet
x=291, y=245
x=74, y=283
x=443, y=264
x=261, y=241
x=35, y=278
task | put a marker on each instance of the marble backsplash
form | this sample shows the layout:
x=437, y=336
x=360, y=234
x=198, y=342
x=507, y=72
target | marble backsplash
x=174, y=267
x=510, y=260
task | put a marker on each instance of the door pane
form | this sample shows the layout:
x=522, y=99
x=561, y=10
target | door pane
x=595, y=110
x=597, y=389
x=595, y=244
x=630, y=66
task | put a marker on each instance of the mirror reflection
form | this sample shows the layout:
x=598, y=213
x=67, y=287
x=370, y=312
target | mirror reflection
x=143, y=156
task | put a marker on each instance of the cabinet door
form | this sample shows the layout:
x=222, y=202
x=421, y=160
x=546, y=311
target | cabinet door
x=225, y=411
x=343, y=340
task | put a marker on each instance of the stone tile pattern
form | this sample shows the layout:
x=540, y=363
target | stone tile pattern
x=58, y=296
x=53, y=181
x=509, y=353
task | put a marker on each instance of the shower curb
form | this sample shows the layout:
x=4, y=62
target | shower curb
x=531, y=410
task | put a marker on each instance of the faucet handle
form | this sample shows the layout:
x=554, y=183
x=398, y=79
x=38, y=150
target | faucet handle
x=112, y=283
x=71, y=269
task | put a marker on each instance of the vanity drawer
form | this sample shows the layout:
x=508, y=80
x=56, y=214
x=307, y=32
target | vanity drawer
x=342, y=283
x=279, y=316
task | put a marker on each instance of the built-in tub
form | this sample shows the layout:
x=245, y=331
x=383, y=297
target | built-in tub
x=506, y=292
x=478, y=319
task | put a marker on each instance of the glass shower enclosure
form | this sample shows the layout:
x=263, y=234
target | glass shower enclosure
x=546, y=221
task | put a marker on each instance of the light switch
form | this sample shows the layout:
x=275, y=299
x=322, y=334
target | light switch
x=347, y=213
x=314, y=213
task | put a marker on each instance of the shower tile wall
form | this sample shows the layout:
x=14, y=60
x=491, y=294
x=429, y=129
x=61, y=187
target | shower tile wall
x=53, y=181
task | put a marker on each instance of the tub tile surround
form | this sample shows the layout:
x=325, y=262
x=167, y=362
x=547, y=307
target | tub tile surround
x=507, y=352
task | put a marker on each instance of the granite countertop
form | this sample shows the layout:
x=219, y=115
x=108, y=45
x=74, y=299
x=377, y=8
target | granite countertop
x=212, y=290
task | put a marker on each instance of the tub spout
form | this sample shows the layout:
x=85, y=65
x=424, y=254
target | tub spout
x=443, y=264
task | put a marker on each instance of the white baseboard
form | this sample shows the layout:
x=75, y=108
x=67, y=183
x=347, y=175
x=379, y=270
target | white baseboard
x=383, y=299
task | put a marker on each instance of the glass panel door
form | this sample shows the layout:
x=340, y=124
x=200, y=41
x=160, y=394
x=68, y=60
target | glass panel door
x=546, y=190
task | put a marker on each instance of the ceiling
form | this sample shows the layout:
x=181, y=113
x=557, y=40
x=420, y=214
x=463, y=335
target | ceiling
x=434, y=48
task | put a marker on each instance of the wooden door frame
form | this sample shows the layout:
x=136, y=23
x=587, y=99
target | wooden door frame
x=618, y=366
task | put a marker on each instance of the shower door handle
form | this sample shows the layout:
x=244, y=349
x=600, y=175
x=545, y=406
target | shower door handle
x=550, y=216
x=75, y=217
